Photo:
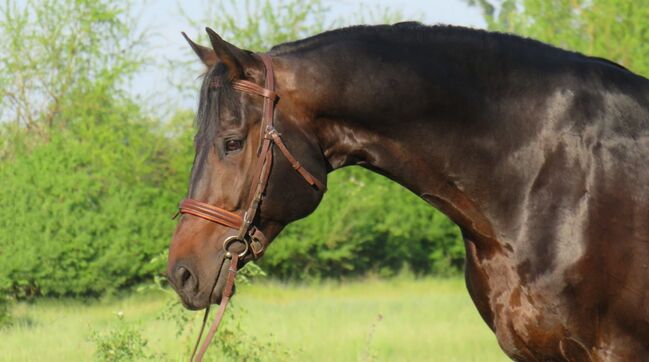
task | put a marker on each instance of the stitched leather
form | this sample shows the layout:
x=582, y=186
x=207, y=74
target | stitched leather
x=250, y=87
x=211, y=213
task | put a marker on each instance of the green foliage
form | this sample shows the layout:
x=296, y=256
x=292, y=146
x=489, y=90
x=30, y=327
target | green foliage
x=251, y=24
x=259, y=24
x=614, y=29
x=87, y=181
x=53, y=49
x=5, y=304
x=91, y=207
x=5, y=310
x=233, y=341
x=366, y=223
x=236, y=343
x=123, y=343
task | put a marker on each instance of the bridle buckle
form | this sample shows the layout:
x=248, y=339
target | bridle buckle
x=271, y=132
x=256, y=247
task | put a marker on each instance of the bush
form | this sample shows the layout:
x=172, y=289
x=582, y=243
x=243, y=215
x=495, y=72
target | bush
x=90, y=208
x=122, y=343
x=366, y=223
x=86, y=175
x=5, y=316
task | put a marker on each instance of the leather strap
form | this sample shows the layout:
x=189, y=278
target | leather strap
x=211, y=213
x=250, y=87
x=227, y=293
x=258, y=242
x=310, y=179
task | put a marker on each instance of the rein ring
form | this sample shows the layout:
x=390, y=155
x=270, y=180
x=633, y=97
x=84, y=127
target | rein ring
x=231, y=239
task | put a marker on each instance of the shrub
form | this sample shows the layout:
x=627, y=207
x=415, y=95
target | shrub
x=122, y=343
x=90, y=208
x=85, y=175
x=5, y=315
x=354, y=232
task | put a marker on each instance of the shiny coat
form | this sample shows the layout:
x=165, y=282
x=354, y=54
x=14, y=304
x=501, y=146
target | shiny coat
x=538, y=154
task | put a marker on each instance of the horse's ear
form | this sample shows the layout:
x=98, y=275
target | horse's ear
x=206, y=55
x=236, y=60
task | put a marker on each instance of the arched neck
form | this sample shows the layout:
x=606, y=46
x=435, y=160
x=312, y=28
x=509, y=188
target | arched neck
x=413, y=125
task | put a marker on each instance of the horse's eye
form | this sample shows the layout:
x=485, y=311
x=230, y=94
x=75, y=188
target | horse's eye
x=233, y=145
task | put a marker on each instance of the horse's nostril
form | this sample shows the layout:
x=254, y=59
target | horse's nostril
x=183, y=277
x=184, y=274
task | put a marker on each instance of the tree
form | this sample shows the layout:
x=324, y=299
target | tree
x=52, y=49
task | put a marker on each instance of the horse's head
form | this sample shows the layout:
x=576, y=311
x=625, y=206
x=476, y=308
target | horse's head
x=244, y=187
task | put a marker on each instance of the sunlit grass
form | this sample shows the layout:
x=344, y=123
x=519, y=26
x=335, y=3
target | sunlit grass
x=420, y=320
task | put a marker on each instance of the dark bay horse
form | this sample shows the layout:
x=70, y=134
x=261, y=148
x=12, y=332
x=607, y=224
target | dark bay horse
x=539, y=155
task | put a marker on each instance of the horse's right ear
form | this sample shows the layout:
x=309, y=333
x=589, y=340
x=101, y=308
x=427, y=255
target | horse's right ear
x=206, y=55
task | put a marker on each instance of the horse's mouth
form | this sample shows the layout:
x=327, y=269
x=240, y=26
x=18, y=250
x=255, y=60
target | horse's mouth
x=216, y=294
x=213, y=295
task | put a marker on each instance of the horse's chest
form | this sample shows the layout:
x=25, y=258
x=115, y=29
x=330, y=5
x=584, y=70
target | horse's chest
x=527, y=321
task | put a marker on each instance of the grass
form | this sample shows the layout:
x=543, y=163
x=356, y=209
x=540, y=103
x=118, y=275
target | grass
x=393, y=320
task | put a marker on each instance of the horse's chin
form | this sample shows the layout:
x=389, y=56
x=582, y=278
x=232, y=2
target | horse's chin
x=198, y=302
x=190, y=305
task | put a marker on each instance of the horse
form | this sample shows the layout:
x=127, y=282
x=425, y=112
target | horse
x=538, y=154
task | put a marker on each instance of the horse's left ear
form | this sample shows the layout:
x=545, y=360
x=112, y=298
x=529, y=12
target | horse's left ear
x=236, y=60
x=206, y=55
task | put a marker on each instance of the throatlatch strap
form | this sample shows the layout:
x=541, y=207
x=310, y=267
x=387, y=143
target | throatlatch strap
x=297, y=166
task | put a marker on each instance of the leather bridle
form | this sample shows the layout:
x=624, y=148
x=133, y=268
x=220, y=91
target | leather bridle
x=253, y=239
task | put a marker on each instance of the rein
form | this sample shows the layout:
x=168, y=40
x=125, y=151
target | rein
x=251, y=237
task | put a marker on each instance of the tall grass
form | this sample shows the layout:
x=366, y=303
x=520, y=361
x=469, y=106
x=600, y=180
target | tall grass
x=395, y=320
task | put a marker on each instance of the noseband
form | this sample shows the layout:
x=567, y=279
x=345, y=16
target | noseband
x=253, y=239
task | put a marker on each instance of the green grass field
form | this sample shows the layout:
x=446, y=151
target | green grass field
x=421, y=320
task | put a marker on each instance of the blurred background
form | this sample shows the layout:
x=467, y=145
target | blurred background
x=97, y=102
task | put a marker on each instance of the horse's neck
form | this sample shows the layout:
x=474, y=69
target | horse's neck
x=423, y=134
x=413, y=156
